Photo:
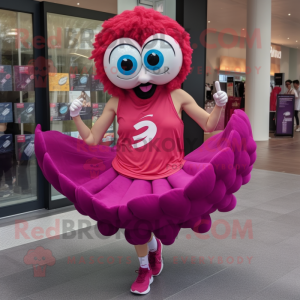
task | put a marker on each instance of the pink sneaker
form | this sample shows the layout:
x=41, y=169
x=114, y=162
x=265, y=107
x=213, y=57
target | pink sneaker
x=142, y=284
x=155, y=259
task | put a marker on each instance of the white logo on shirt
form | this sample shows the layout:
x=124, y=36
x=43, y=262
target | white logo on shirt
x=146, y=136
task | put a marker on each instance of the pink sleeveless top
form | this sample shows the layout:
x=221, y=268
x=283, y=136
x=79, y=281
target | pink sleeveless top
x=150, y=144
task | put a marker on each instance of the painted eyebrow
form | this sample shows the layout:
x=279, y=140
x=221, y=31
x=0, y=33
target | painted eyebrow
x=120, y=46
x=160, y=40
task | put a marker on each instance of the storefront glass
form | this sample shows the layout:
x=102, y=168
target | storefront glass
x=71, y=76
x=18, y=166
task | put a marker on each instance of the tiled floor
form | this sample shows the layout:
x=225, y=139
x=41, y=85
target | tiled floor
x=220, y=265
x=279, y=154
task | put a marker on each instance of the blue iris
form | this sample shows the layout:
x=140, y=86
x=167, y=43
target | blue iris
x=127, y=65
x=153, y=60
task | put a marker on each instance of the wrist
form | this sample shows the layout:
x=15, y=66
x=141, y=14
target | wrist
x=218, y=105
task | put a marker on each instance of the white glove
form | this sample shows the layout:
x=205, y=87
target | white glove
x=220, y=97
x=76, y=107
x=29, y=149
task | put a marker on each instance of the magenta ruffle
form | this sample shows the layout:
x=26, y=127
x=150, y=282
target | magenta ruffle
x=206, y=183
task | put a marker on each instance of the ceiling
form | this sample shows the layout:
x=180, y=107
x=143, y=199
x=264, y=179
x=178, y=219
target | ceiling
x=228, y=14
x=233, y=14
x=110, y=6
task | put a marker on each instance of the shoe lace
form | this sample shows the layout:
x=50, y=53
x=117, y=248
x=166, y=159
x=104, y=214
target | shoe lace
x=142, y=274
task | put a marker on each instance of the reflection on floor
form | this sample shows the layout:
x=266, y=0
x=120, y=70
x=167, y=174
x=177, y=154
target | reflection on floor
x=279, y=154
x=221, y=265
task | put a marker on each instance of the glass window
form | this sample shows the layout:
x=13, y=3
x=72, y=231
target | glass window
x=18, y=166
x=72, y=76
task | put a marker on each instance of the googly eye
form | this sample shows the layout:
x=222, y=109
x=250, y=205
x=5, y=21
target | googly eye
x=125, y=60
x=158, y=56
x=127, y=65
x=154, y=60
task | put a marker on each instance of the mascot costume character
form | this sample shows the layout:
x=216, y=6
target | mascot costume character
x=145, y=184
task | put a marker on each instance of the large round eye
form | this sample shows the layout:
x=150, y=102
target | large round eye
x=126, y=60
x=123, y=62
x=127, y=65
x=160, y=54
x=154, y=60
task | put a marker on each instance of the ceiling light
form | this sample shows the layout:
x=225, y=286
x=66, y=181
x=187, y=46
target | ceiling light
x=289, y=14
x=79, y=55
x=208, y=21
x=78, y=3
x=288, y=38
x=12, y=33
x=243, y=28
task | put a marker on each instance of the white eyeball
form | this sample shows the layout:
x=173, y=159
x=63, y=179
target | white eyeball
x=162, y=57
x=122, y=63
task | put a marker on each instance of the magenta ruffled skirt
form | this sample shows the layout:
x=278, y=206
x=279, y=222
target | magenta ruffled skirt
x=206, y=183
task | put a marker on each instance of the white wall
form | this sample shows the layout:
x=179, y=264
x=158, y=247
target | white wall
x=298, y=65
x=126, y=5
x=293, y=65
x=169, y=8
x=213, y=56
x=285, y=62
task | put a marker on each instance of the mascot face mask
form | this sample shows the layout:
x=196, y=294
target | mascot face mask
x=130, y=66
x=139, y=50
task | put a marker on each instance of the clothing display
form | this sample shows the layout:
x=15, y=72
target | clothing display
x=273, y=100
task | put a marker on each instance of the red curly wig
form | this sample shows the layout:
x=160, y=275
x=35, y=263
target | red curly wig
x=139, y=24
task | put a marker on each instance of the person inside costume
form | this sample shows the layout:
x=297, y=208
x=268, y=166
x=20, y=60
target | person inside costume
x=145, y=184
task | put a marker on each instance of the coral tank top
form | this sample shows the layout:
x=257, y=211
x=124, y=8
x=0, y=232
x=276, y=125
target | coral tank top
x=150, y=144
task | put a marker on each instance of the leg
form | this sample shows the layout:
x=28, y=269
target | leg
x=8, y=170
x=142, y=250
x=297, y=119
x=1, y=167
x=22, y=175
x=142, y=284
x=155, y=255
x=142, y=253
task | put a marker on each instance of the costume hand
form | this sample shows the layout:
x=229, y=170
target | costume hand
x=220, y=97
x=76, y=107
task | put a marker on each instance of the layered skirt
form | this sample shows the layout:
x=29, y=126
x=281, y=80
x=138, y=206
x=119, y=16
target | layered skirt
x=206, y=183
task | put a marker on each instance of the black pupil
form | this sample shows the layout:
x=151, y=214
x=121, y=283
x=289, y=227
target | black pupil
x=153, y=59
x=126, y=64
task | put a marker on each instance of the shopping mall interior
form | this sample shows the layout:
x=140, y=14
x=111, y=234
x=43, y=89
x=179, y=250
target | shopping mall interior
x=52, y=249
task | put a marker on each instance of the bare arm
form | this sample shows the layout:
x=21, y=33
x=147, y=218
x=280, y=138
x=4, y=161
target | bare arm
x=206, y=121
x=94, y=136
